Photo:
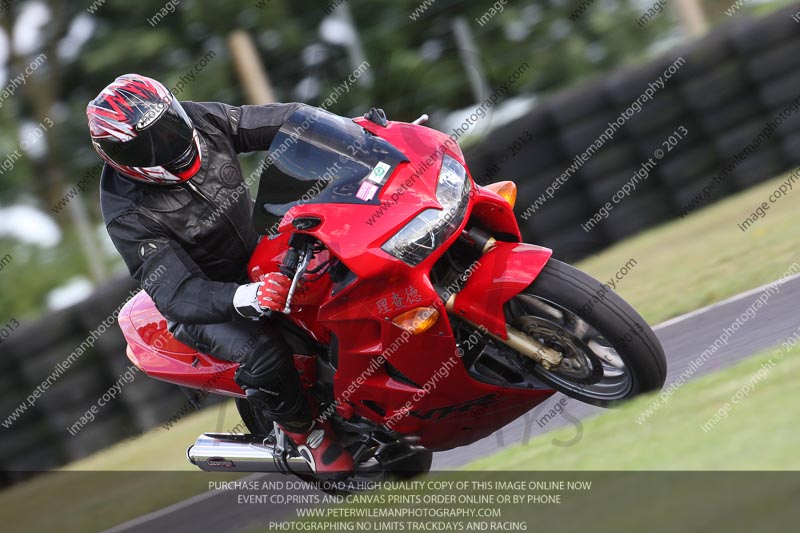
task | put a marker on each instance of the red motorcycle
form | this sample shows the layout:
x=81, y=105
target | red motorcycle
x=421, y=319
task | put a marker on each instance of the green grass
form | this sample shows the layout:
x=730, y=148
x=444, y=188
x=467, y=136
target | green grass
x=682, y=265
x=117, y=484
x=664, y=475
x=704, y=258
x=758, y=433
x=136, y=454
x=705, y=252
x=94, y=501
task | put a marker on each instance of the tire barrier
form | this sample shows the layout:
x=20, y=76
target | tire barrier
x=734, y=81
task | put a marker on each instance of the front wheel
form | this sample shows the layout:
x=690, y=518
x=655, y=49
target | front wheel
x=609, y=351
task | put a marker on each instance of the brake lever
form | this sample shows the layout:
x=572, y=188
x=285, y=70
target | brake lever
x=305, y=259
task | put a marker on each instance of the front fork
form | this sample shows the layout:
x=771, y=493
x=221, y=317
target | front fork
x=516, y=340
x=502, y=271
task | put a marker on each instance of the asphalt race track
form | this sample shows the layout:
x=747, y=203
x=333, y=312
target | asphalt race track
x=684, y=339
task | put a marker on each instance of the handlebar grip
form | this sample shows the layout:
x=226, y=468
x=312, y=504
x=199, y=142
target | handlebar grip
x=290, y=262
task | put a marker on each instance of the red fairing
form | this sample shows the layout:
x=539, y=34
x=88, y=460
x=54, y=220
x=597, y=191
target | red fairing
x=415, y=384
x=501, y=273
x=494, y=213
x=155, y=351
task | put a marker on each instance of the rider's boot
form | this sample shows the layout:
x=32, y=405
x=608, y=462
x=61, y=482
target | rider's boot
x=284, y=401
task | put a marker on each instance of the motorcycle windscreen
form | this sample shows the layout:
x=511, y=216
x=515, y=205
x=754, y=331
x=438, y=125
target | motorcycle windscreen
x=318, y=157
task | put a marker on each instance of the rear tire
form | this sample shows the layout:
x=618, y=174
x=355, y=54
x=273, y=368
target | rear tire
x=411, y=467
x=575, y=306
x=256, y=425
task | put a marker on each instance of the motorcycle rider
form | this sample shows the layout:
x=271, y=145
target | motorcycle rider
x=167, y=197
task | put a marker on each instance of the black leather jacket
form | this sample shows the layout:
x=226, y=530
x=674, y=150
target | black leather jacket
x=188, y=244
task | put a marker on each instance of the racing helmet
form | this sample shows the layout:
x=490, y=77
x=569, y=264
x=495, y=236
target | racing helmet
x=139, y=128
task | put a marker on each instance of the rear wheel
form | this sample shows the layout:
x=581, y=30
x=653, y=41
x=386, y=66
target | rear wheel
x=609, y=351
x=410, y=467
x=257, y=425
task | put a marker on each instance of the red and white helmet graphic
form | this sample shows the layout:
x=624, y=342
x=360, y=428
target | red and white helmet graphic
x=139, y=128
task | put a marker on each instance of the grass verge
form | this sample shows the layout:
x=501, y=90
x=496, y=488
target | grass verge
x=680, y=266
x=120, y=483
x=667, y=474
x=689, y=263
x=756, y=432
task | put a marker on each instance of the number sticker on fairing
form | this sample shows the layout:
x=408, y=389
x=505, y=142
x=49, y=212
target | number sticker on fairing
x=367, y=191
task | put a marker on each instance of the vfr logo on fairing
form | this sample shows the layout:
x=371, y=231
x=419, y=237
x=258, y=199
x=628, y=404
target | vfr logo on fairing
x=462, y=407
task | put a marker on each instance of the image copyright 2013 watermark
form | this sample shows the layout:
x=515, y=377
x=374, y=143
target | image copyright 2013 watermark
x=752, y=383
x=30, y=138
x=722, y=340
x=760, y=212
x=769, y=129
x=606, y=136
x=63, y=367
x=22, y=78
x=167, y=9
x=641, y=175
x=104, y=400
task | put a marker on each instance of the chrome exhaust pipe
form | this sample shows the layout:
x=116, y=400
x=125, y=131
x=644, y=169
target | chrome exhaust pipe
x=237, y=452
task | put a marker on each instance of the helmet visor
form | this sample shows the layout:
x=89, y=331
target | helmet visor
x=158, y=143
x=187, y=164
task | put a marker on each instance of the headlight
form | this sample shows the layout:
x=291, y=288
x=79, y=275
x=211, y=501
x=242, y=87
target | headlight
x=428, y=230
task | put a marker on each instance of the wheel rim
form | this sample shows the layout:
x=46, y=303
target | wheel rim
x=591, y=367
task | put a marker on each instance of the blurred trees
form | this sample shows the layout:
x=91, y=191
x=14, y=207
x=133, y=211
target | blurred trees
x=415, y=67
x=415, y=64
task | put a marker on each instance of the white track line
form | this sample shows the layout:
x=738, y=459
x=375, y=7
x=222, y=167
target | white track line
x=174, y=507
x=735, y=298
x=672, y=321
